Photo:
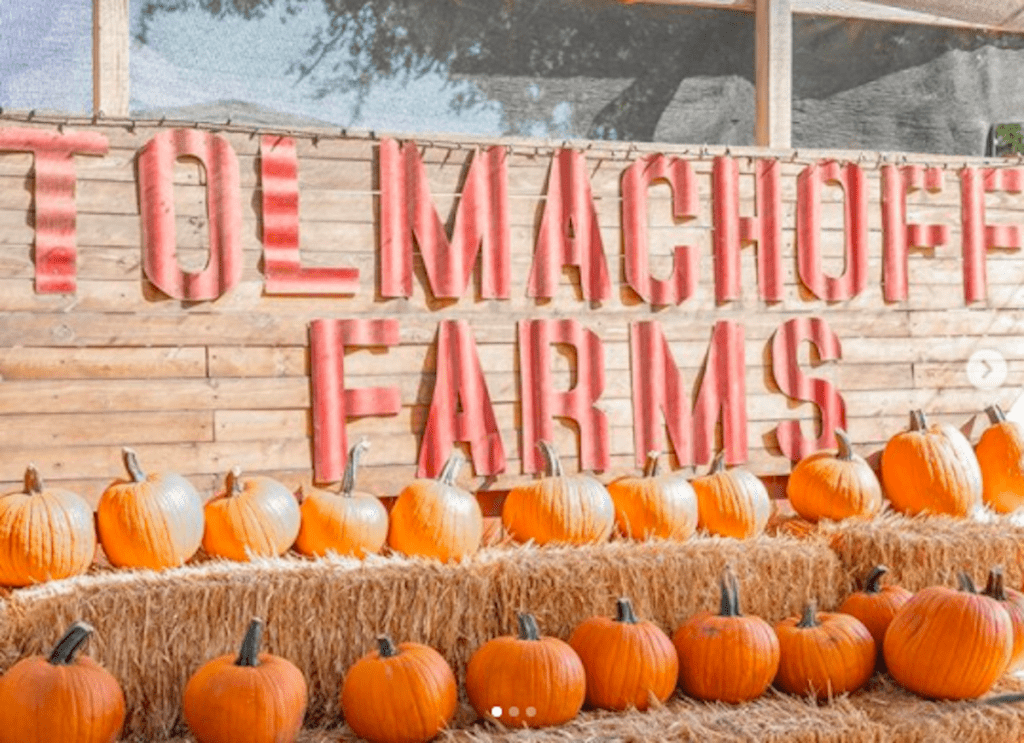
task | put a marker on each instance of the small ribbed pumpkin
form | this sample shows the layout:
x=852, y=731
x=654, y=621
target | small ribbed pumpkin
x=437, y=518
x=45, y=533
x=654, y=504
x=834, y=485
x=824, y=653
x=931, y=469
x=571, y=509
x=527, y=680
x=403, y=694
x=151, y=520
x=347, y=522
x=62, y=698
x=1013, y=602
x=875, y=606
x=253, y=697
x=733, y=502
x=252, y=517
x=726, y=657
x=949, y=644
x=627, y=661
x=1000, y=452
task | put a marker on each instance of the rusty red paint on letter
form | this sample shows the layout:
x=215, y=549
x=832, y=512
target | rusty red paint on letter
x=897, y=235
x=460, y=379
x=541, y=404
x=794, y=383
x=55, y=248
x=481, y=225
x=332, y=402
x=979, y=237
x=224, y=211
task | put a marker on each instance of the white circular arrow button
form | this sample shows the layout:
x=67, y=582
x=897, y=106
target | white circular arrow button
x=986, y=369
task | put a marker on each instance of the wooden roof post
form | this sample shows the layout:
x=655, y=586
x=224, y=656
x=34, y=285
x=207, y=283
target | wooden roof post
x=110, y=42
x=773, y=47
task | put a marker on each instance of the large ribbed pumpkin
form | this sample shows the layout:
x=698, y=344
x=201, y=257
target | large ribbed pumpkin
x=628, y=661
x=572, y=509
x=662, y=505
x=45, y=533
x=834, y=485
x=1013, y=601
x=252, y=517
x=150, y=520
x=346, y=522
x=948, y=644
x=437, y=518
x=726, y=657
x=876, y=605
x=931, y=469
x=399, y=694
x=733, y=502
x=61, y=698
x=1000, y=452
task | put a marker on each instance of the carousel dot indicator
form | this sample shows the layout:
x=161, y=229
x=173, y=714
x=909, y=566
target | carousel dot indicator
x=513, y=711
x=531, y=711
x=495, y=711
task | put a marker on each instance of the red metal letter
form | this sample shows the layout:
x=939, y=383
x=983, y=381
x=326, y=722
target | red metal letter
x=481, y=225
x=569, y=234
x=731, y=230
x=658, y=385
x=898, y=236
x=282, y=267
x=54, y=194
x=156, y=184
x=332, y=403
x=459, y=379
x=808, y=210
x=978, y=237
x=635, y=181
x=540, y=403
x=797, y=385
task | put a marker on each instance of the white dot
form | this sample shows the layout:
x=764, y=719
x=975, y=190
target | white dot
x=495, y=711
x=513, y=712
x=531, y=711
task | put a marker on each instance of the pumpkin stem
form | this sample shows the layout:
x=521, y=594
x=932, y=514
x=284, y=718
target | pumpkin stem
x=552, y=464
x=233, y=481
x=917, y=420
x=528, y=629
x=131, y=463
x=810, y=617
x=651, y=465
x=624, y=611
x=33, y=482
x=995, y=414
x=451, y=467
x=996, y=586
x=386, y=647
x=249, y=654
x=718, y=464
x=965, y=582
x=730, y=603
x=845, y=453
x=64, y=652
x=348, y=480
x=871, y=583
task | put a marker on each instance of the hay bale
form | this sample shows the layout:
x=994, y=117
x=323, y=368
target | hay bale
x=929, y=550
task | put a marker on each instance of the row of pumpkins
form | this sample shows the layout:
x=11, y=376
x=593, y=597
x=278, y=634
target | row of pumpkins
x=940, y=643
x=158, y=520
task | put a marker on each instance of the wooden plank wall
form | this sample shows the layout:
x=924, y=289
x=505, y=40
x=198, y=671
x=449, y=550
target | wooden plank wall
x=200, y=387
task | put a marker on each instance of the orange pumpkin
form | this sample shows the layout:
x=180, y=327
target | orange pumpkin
x=627, y=661
x=526, y=681
x=403, y=694
x=931, y=469
x=572, y=509
x=45, y=533
x=254, y=517
x=654, y=504
x=823, y=654
x=726, y=657
x=731, y=503
x=834, y=485
x=150, y=521
x=948, y=644
x=65, y=697
x=875, y=606
x=1013, y=602
x=253, y=697
x=437, y=518
x=1000, y=453
x=347, y=522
